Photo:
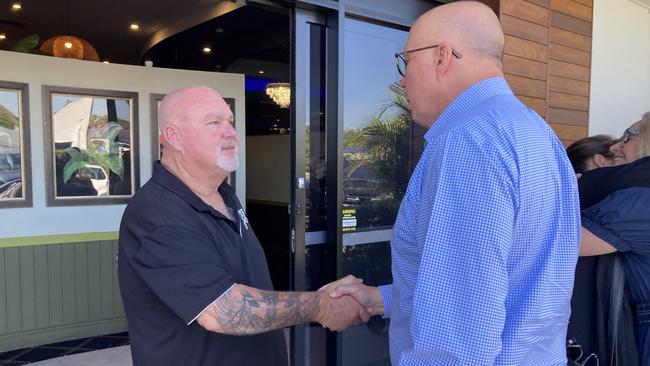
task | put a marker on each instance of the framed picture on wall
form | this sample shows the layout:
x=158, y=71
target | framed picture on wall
x=156, y=137
x=91, y=145
x=15, y=156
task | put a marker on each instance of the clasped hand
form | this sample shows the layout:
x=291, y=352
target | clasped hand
x=344, y=303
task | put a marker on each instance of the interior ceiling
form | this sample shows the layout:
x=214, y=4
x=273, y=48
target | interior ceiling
x=256, y=33
x=236, y=38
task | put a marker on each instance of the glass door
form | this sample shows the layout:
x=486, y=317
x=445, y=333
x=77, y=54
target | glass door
x=380, y=148
x=353, y=151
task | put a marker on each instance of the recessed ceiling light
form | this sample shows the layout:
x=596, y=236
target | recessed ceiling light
x=106, y=62
x=260, y=72
x=3, y=36
x=16, y=6
x=207, y=50
x=68, y=45
x=134, y=27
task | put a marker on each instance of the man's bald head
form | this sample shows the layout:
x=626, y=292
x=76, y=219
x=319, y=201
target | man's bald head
x=449, y=49
x=469, y=25
x=177, y=104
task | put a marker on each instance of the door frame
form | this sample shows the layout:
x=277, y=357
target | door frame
x=330, y=20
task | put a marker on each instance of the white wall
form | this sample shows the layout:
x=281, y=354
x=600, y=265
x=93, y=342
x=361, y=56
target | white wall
x=620, y=72
x=269, y=168
x=44, y=70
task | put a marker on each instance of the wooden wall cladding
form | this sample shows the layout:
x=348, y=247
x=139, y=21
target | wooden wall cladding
x=526, y=49
x=547, y=60
x=524, y=29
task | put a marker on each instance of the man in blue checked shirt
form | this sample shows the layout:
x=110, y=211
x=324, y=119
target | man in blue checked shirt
x=486, y=239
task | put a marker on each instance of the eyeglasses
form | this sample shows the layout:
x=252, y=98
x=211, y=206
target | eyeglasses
x=630, y=131
x=401, y=59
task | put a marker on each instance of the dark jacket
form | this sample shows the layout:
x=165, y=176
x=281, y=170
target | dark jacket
x=597, y=184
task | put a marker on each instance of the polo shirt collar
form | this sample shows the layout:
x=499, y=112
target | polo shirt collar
x=466, y=101
x=172, y=183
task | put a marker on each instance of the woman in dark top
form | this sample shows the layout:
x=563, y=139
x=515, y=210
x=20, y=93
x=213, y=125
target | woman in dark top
x=621, y=223
x=589, y=315
x=591, y=153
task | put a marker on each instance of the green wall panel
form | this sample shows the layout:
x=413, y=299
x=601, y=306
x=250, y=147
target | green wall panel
x=68, y=290
x=107, y=279
x=55, y=284
x=27, y=288
x=80, y=261
x=60, y=291
x=94, y=281
x=118, y=307
x=41, y=287
x=12, y=268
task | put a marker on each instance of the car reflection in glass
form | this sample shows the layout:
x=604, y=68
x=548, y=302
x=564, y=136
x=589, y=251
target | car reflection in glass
x=99, y=179
x=11, y=185
x=360, y=189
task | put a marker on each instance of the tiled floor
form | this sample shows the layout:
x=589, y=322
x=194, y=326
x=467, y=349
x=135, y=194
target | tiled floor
x=27, y=355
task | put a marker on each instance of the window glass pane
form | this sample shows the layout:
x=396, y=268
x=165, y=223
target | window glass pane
x=10, y=150
x=315, y=163
x=379, y=151
x=92, y=145
x=371, y=262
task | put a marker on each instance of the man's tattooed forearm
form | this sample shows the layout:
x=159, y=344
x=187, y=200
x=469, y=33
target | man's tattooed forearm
x=253, y=311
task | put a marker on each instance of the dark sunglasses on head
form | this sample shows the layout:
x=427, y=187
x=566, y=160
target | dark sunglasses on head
x=630, y=131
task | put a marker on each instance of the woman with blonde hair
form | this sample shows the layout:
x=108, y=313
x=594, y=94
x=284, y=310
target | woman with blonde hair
x=635, y=142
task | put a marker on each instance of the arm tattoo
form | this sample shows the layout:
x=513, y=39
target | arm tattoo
x=251, y=311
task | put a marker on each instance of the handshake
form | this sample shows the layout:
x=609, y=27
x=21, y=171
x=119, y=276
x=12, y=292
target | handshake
x=348, y=302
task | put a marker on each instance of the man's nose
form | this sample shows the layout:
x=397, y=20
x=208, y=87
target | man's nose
x=615, y=148
x=229, y=129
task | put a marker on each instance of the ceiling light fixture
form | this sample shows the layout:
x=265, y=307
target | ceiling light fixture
x=16, y=6
x=3, y=36
x=260, y=72
x=106, y=62
x=280, y=93
x=134, y=27
x=207, y=50
x=68, y=46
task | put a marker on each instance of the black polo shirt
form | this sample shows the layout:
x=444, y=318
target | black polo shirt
x=177, y=255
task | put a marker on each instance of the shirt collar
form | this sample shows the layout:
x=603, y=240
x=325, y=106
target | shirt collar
x=466, y=101
x=172, y=183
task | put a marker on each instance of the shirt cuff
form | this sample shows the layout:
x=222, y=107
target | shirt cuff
x=210, y=304
x=386, y=292
x=605, y=234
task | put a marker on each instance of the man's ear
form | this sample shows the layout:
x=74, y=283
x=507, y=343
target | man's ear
x=444, y=56
x=172, y=136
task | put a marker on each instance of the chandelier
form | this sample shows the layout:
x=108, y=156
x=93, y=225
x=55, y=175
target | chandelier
x=280, y=93
x=68, y=46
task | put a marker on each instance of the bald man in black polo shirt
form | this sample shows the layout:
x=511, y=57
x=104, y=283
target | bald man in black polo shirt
x=193, y=276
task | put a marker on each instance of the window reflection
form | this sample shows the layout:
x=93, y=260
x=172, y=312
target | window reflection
x=379, y=153
x=11, y=175
x=315, y=162
x=92, y=145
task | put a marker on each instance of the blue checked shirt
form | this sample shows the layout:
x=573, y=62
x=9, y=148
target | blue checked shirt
x=486, y=239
